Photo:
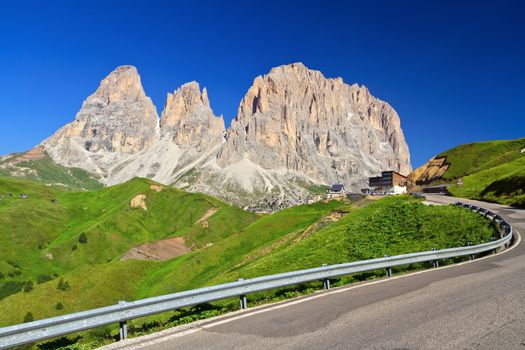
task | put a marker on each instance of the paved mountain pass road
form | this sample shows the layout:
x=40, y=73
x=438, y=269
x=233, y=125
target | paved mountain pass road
x=478, y=305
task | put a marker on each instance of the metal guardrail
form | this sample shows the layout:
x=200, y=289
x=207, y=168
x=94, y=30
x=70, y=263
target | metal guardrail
x=57, y=326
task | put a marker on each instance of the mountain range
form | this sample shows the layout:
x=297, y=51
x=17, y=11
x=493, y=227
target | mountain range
x=295, y=132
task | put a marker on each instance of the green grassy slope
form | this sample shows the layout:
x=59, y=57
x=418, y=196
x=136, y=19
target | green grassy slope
x=235, y=244
x=48, y=172
x=393, y=225
x=96, y=275
x=41, y=234
x=493, y=171
x=205, y=267
x=479, y=156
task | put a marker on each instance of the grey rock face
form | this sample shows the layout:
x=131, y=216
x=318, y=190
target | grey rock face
x=189, y=135
x=117, y=121
x=295, y=119
x=188, y=117
x=294, y=129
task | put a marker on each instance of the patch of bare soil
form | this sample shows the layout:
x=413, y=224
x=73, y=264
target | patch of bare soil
x=204, y=219
x=156, y=188
x=33, y=154
x=161, y=250
x=139, y=201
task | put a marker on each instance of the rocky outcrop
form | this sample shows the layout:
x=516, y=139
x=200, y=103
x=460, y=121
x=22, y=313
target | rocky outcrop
x=297, y=120
x=429, y=172
x=294, y=129
x=189, y=135
x=188, y=117
x=118, y=120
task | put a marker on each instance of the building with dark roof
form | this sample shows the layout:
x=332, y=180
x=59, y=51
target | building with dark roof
x=336, y=190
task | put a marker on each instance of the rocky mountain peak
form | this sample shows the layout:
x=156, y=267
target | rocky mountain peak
x=121, y=84
x=182, y=102
x=295, y=118
x=117, y=119
x=188, y=116
x=294, y=128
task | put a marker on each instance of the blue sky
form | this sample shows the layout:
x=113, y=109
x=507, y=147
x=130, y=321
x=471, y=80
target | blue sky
x=454, y=70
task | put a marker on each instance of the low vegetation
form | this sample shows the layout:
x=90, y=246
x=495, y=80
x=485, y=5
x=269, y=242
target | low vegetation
x=46, y=171
x=230, y=244
x=492, y=171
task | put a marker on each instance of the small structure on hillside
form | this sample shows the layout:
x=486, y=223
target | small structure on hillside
x=24, y=196
x=390, y=182
x=336, y=191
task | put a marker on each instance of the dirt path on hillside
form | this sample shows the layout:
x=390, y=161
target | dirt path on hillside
x=161, y=250
x=204, y=219
x=294, y=237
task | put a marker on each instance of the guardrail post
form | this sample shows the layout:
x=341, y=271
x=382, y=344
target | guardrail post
x=469, y=244
x=326, y=281
x=326, y=284
x=243, y=302
x=242, y=298
x=388, y=269
x=495, y=249
x=123, y=327
x=435, y=263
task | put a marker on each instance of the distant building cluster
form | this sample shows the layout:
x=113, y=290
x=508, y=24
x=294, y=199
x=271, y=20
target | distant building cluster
x=389, y=183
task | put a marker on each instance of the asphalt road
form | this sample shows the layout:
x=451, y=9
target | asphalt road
x=478, y=305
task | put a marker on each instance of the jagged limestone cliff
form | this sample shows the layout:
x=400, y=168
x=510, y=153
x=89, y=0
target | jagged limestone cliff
x=294, y=129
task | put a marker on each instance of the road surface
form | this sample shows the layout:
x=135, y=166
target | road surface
x=478, y=305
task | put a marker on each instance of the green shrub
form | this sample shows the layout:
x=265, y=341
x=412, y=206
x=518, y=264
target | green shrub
x=10, y=287
x=62, y=285
x=28, y=317
x=59, y=306
x=82, y=238
x=28, y=287
x=43, y=279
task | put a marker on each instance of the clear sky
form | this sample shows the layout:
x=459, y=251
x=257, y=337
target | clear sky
x=453, y=70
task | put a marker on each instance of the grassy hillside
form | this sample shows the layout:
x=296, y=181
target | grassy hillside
x=41, y=168
x=475, y=157
x=234, y=244
x=393, y=225
x=493, y=171
x=41, y=234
